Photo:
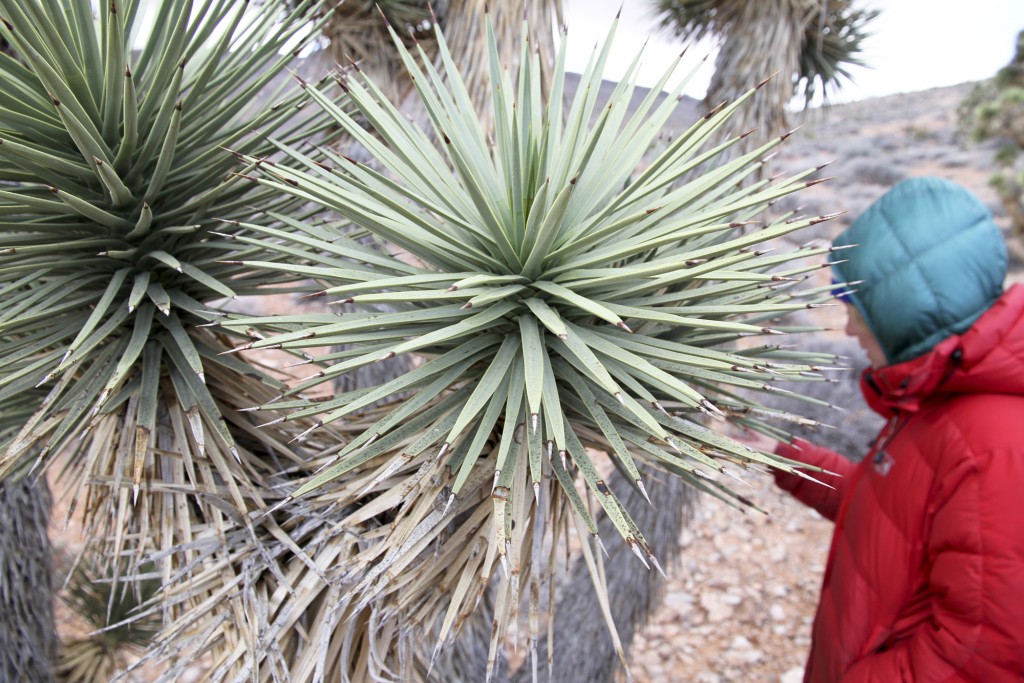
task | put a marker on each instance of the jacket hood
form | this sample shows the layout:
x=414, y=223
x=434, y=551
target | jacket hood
x=987, y=358
x=929, y=260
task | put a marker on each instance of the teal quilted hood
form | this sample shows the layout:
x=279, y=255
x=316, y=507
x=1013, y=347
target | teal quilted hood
x=929, y=261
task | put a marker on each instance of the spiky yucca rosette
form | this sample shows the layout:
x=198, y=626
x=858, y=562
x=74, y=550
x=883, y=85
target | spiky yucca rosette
x=567, y=318
x=114, y=172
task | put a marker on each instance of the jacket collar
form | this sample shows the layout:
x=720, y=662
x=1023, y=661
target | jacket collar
x=989, y=357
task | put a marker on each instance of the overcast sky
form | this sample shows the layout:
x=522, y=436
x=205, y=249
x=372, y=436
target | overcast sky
x=915, y=44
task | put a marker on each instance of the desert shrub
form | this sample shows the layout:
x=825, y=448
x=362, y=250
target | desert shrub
x=875, y=172
x=855, y=147
x=956, y=158
x=995, y=111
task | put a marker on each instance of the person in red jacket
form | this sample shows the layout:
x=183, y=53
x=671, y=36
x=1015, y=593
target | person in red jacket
x=925, y=574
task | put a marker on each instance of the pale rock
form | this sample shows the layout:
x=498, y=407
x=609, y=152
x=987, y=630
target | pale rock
x=726, y=577
x=778, y=553
x=794, y=675
x=745, y=658
x=679, y=601
x=777, y=612
x=740, y=643
x=191, y=675
x=726, y=544
x=718, y=610
x=732, y=599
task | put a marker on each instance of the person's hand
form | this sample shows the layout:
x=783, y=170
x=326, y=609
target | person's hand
x=755, y=440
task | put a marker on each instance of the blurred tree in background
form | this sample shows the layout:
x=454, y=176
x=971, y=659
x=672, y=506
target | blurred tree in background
x=357, y=33
x=810, y=43
x=995, y=111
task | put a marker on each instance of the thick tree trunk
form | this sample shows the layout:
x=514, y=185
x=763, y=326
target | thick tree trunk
x=28, y=638
x=583, y=646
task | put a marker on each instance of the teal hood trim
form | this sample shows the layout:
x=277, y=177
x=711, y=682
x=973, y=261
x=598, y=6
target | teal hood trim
x=929, y=261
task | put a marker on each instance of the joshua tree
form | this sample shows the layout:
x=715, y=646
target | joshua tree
x=995, y=111
x=463, y=26
x=836, y=31
x=115, y=185
x=556, y=304
x=358, y=32
x=28, y=638
x=810, y=43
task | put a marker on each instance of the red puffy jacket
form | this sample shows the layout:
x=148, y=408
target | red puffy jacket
x=925, y=575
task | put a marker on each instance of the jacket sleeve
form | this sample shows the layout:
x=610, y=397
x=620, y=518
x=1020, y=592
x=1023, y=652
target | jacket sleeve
x=975, y=556
x=821, y=498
